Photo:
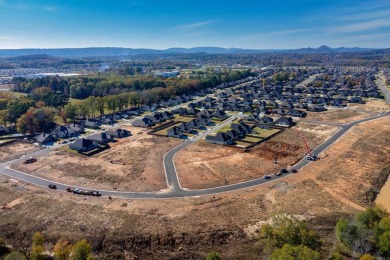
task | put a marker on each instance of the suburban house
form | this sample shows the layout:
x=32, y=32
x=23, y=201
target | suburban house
x=284, y=121
x=118, y=133
x=63, y=132
x=266, y=120
x=83, y=145
x=219, y=138
x=356, y=100
x=100, y=138
x=4, y=130
x=175, y=132
x=143, y=122
x=296, y=113
x=79, y=129
x=204, y=121
x=91, y=123
x=44, y=138
x=185, y=127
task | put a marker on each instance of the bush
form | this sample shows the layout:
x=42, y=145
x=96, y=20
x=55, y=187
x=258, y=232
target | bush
x=367, y=257
x=62, y=249
x=301, y=252
x=81, y=250
x=213, y=256
x=15, y=256
x=288, y=230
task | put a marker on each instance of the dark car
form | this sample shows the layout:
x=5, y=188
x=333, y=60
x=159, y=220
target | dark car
x=294, y=171
x=267, y=177
x=283, y=171
x=52, y=186
x=95, y=193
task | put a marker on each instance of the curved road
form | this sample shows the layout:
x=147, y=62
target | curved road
x=175, y=190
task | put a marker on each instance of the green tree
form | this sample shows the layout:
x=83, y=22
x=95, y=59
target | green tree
x=37, y=246
x=384, y=243
x=213, y=256
x=300, y=252
x=81, y=250
x=70, y=111
x=15, y=255
x=288, y=230
x=62, y=249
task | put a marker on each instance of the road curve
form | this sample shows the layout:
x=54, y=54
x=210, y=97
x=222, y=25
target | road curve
x=175, y=191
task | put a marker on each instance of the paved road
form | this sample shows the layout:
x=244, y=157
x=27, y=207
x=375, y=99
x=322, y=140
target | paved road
x=381, y=82
x=175, y=191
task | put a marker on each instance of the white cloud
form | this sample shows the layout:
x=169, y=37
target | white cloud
x=361, y=26
x=6, y=38
x=192, y=26
x=51, y=9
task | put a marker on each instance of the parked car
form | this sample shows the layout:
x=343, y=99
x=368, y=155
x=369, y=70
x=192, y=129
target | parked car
x=294, y=171
x=52, y=186
x=95, y=193
x=30, y=160
x=267, y=177
x=283, y=171
x=278, y=174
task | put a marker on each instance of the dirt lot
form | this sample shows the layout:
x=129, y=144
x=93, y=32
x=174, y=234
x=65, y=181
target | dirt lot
x=204, y=165
x=132, y=164
x=334, y=187
x=337, y=116
x=373, y=105
x=13, y=150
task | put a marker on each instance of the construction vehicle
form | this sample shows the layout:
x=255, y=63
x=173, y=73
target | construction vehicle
x=309, y=156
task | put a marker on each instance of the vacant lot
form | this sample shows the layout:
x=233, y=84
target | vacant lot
x=13, y=150
x=132, y=164
x=372, y=105
x=336, y=116
x=204, y=165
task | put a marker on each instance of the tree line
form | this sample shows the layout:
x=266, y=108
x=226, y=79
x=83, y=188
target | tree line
x=63, y=250
x=99, y=86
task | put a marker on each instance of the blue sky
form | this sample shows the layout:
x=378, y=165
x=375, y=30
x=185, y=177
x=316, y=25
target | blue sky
x=256, y=24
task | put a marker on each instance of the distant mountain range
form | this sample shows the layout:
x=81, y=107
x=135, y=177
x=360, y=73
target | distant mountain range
x=112, y=51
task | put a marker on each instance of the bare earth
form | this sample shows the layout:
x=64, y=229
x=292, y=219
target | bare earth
x=337, y=116
x=373, y=105
x=13, y=150
x=335, y=186
x=338, y=185
x=136, y=164
x=204, y=165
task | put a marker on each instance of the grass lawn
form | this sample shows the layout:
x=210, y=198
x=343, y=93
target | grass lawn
x=252, y=139
x=18, y=94
x=67, y=149
x=58, y=120
x=238, y=143
x=183, y=118
x=75, y=101
x=264, y=133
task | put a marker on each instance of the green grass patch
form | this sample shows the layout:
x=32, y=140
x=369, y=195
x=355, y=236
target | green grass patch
x=252, y=139
x=75, y=101
x=264, y=133
x=18, y=94
x=183, y=118
x=238, y=143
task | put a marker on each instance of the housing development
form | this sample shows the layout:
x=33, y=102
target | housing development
x=200, y=130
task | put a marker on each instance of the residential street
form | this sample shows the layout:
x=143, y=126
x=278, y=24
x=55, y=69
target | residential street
x=175, y=190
